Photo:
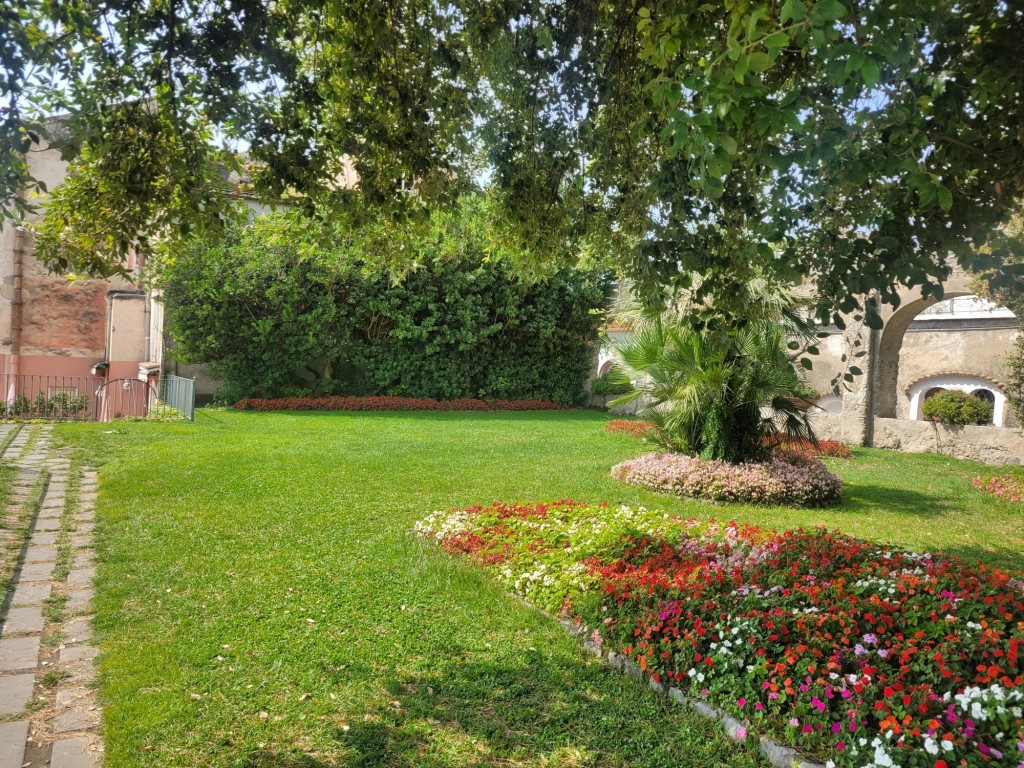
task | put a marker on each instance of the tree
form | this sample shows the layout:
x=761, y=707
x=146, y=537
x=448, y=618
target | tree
x=855, y=144
x=719, y=394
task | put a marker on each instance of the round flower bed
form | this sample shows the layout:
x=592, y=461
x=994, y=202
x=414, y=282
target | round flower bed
x=787, y=478
x=1006, y=487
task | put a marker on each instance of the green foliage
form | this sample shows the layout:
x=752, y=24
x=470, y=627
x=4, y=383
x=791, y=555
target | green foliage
x=671, y=136
x=956, y=408
x=605, y=385
x=706, y=391
x=1015, y=379
x=61, y=405
x=283, y=310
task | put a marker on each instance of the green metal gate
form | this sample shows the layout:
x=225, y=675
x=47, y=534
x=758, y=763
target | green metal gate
x=180, y=394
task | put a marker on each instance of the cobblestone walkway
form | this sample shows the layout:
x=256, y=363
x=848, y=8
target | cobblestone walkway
x=49, y=715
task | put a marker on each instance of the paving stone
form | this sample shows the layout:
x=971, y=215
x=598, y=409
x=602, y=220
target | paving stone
x=66, y=698
x=41, y=554
x=79, y=653
x=50, y=514
x=81, y=577
x=78, y=630
x=35, y=572
x=31, y=594
x=76, y=720
x=73, y=753
x=23, y=620
x=15, y=692
x=79, y=600
x=43, y=538
x=84, y=559
x=85, y=527
x=45, y=524
x=18, y=653
x=12, y=744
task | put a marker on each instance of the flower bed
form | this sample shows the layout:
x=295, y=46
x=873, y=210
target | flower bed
x=786, y=478
x=1006, y=487
x=865, y=654
x=388, y=403
x=629, y=427
x=831, y=448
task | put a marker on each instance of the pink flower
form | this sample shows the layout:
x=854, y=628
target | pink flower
x=741, y=702
x=741, y=733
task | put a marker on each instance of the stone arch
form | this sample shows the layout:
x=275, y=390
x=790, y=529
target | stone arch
x=889, y=346
x=894, y=328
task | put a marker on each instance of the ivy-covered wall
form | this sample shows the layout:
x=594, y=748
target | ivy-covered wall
x=279, y=309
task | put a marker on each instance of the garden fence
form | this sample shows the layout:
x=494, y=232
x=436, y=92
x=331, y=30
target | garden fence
x=179, y=393
x=90, y=398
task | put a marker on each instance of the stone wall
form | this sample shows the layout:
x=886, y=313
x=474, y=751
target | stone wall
x=989, y=445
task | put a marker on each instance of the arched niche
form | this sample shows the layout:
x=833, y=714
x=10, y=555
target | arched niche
x=989, y=391
x=830, y=404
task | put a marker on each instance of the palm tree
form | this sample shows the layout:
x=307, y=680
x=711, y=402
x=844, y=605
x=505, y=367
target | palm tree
x=718, y=393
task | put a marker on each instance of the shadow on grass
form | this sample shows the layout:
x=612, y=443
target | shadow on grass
x=1001, y=557
x=538, y=713
x=858, y=497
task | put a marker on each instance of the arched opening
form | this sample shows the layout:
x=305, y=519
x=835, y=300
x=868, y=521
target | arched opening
x=889, y=346
x=956, y=334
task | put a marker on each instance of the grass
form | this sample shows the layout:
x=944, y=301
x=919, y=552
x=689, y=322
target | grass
x=261, y=603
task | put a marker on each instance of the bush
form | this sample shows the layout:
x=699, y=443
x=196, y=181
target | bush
x=862, y=653
x=786, y=478
x=630, y=427
x=956, y=408
x=285, y=309
x=385, y=403
x=606, y=386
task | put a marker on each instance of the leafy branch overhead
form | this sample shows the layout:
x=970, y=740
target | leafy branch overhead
x=855, y=144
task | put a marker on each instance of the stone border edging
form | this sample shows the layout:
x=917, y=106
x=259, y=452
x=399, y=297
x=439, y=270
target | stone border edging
x=51, y=716
x=775, y=753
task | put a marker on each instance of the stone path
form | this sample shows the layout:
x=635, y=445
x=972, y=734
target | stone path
x=49, y=715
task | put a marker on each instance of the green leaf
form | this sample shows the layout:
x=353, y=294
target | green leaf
x=759, y=62
x=870, y=72
x=728, y=143
x=945, y=199
x=806, y=363
x=828, y=10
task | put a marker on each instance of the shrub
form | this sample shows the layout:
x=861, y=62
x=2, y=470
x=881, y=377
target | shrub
x=786, y=478
x=604, y=385
x=630, y=427
x=1006, y=487
x=956, y=408
x=830, y=448
x=287, y=309
x=862, y=653
x=385, y=403
x=708, y=389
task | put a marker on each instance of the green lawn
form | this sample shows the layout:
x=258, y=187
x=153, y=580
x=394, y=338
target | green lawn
x=262, y=604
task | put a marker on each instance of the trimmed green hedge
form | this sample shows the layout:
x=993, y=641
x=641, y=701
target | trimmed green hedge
x=283, y=311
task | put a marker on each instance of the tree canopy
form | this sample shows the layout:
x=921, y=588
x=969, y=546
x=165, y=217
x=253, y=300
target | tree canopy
x=854, y=143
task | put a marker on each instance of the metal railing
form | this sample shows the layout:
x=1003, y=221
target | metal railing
x=178, y=393
x=65, y=398
x=93, y=398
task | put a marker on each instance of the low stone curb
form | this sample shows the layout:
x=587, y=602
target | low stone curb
x=775, y=753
